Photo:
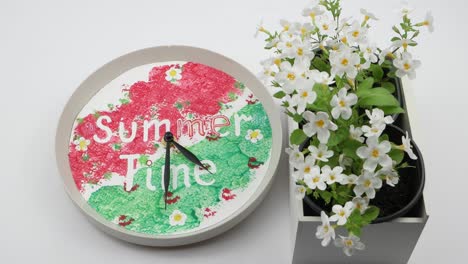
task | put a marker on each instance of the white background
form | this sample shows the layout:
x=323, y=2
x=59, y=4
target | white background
x=48, y=47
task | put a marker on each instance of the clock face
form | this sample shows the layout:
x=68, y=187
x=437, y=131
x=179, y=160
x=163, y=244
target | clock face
x=116, y=149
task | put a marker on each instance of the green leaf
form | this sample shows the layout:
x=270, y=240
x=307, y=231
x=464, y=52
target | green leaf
x=373, y=91
x=340, y=83
x=390, y=110
x=378, y=100
x=377, y=72
x=389, y=86
x=319, y=64
x=297, y=118
x=279, y=95
x=338, y=136
x=349, y=148
x=371, y=214
x=297, y=137
x=366, y=84
x=397, y=155
x=326, y=196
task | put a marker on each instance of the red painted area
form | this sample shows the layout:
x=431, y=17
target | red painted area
x=227, y=194
x=200, y=91
x=254, y=163
x=209, y=213
x=171, y=200
x=123, y=222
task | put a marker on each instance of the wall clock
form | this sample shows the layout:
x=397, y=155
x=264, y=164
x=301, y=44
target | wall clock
x=168, y=145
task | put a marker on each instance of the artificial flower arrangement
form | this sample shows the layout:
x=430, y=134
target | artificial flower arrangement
x=340, y=90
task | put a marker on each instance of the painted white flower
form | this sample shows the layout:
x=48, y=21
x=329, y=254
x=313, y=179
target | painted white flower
x=406, y=146
x=319, y=124
x=332, y=175
x=173, y=74
x=406, y=65
x=368, y=15
x=314, y=179
x=367, y=183
x=361, y=203
x=305, y=95
x=177, y=218
x=375, y=153
x=356, y=133
x=325, y=231
x=342, y=213
x=403, y=43
x=326, y=26
x=369, y=53
x=349, y=244
x=81, y=144
x=349, y=179
x=304, y=168
x=321, y=153
x=342, y=103
x=293, y=76
x=377, y=117
x=295, y=155
x=254, y=135
x=356, y=34
x=300, y=192
x=343, y=62
x=390, y=176
x=429, y=22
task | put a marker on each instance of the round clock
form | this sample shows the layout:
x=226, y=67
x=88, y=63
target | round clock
x=169, y=145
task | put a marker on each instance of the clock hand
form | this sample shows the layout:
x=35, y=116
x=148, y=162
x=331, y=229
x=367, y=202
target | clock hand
x=169, y=138
x=189, y=155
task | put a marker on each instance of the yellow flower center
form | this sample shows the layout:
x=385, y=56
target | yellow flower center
x=300, y=51
x=254, y=134
x=316, y=179
x=426, y=23
x=326, y=228
x=356, y=34
x=342, y=103
x=344, y=40
x=407, y=66
x=366, y=17
x=291, y=76
x=320, y=123
x=177, y=217
x=288, y=44
x=348, y=243
x=367, y=183
x=345, y=62
x=303, y=30
x=286, y=27
x=405, y=45
x=375, y=153
x=82, y=144
x=306, y=169
x=332, y=177
x=320, y=155
x=277, y=62
x=305, y=94
x=342, y=213
x=172, y=73
x=325, y=27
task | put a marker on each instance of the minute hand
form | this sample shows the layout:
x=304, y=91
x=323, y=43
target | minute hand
x=190, y=156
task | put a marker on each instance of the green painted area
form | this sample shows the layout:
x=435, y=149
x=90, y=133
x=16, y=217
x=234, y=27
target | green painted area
x=230, y=154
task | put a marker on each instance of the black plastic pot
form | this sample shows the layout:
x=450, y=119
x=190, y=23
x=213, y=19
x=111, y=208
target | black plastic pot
x=413, y=180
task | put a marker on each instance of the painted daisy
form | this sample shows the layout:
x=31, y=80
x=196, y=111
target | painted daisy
x=254, y=135
x=81, y=144
x=177, y=218
x=173, y=74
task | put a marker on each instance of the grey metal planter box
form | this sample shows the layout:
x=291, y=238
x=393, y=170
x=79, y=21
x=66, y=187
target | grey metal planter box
x=391, y=242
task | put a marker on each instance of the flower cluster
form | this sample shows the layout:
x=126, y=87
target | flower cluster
x=340, y=88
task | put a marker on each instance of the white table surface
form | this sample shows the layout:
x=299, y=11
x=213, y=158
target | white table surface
x=48, y=47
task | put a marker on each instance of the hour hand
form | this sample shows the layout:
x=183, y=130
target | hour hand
x=190, y=156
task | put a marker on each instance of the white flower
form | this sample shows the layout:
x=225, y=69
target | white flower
x=374, y=131
x=356, y=34
x=313, y=10
x=173, y=74
x=304, y=168
x=293, y=76
x=361, y=203
x=331, y=176
x=286, y=43
x=305, y=29
x=429, y=22
x=325, y=231
x=269, y=69
x=341, y=213
x=369, y=53
x=403, y=43
x=295, y=155
x=377, y=117
x=318, y=124
x=368, y=15
x=254, y=135
x=350, y=179
x=177, y=218
x=286, y=25
x=304, y=96
x=300, y=192
x=375, y=153
x=406, y=146
x=406, y=9
x=386, y=53
x=356, y=133
x=406, y=65
x=367, y=183
x=344, y=62
x=342, y=103
x=321, y=77
x=326, y=26
x=81, y=144
x=349, y=244
x=389, y=175
x=300, y=51
x=259, y=29
x=314, y=179
x=321, y=153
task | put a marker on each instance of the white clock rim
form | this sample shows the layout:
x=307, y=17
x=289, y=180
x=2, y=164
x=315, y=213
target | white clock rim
x=97, y=80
